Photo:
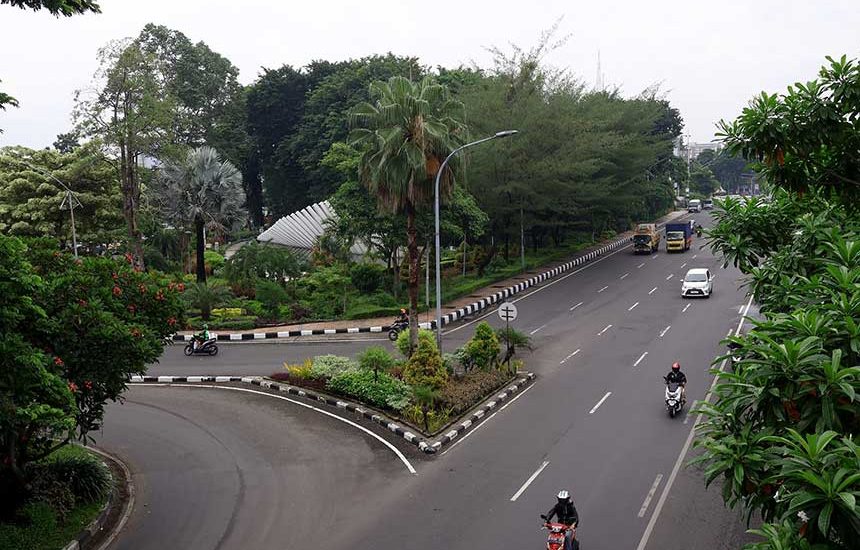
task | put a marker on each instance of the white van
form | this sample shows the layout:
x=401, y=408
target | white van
x=695, y=205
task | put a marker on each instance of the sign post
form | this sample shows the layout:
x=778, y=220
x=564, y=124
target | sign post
x=508, y=312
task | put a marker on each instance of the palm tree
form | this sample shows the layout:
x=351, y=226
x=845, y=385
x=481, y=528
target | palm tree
x=405, y=132
x=202, y=191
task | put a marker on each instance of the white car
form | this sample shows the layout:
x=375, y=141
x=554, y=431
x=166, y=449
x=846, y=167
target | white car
x=697, y=282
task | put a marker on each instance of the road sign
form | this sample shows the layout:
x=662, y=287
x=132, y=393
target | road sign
x=508, y=312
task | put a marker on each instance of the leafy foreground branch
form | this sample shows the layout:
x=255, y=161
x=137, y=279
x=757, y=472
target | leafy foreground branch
x=780, y=434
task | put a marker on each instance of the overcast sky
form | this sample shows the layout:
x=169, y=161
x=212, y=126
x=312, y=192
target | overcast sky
x=710, y=57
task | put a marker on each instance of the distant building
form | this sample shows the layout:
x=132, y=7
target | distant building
x=695, y=149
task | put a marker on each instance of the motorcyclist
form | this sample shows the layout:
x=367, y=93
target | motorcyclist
x=675, y=376
x=402, y=317
x=201, y=337
x=698, y=230
x=567, y=514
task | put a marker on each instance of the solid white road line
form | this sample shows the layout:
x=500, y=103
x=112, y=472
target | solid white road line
x=670, y=276
x=683, y=265
x=576, y=306
x=544, y=287
x=680, y=461
x=650, y=495
x=631, y=307
x=640, y=265
x=652, y=291
x=607, y=327
x=686, y=307
x=529, y=481
x=602, y=289
x=569, y=356
x=665, y=330
x=692, y=406
x=623, y=276
x=537, y=329
x=479, y=426
x=641, y=357
x=599, y=403
x=394, y=449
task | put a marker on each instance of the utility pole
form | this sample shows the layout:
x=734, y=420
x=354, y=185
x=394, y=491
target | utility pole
x=70, y=201
x=522, y=239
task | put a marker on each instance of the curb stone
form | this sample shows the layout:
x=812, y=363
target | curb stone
x=430, y=446
x=447, y=319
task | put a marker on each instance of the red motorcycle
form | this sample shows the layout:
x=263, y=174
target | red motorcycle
x=555, y=537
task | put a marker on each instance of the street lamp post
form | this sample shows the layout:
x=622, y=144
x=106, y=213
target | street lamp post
x=502, y=134
x=69, y=199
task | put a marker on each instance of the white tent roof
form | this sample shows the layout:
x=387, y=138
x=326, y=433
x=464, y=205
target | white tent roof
x=301, y=229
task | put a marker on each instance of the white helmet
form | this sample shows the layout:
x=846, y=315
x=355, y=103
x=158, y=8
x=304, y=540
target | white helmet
x=563, y=495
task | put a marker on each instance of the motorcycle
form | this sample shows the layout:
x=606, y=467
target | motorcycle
x=674, y=398
x=555, y=536
x=396, y=329
x=209, y=347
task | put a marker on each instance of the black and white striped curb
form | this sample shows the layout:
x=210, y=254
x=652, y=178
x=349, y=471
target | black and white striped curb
x=294, y=333
x=448, y=318
x=428, y=446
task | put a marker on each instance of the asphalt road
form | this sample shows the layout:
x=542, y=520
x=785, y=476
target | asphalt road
x=593, y=423
x=216, y=468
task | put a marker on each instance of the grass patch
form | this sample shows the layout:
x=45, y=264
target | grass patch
x=39, y=528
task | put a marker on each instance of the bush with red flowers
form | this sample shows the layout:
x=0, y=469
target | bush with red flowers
x=71, y=335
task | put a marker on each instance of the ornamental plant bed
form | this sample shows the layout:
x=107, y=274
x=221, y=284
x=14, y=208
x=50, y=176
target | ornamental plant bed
x=462, y=394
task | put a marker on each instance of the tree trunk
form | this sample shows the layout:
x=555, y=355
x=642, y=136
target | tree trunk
x=412, y=244
x=254, y=189
x=130, y=201
x=396, y=275
x=201, y=251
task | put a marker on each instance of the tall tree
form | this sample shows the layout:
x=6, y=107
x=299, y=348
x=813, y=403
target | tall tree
x=30, y=200
x=203, y=191
x=133, y=118
x=405, y=133
x=202, y=82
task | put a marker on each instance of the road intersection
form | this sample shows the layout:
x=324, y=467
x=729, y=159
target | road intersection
x=593, y=423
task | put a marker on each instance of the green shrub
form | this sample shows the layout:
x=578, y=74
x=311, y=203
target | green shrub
x=254, y=307
x=271, y=296
x=213, y=261
x=384, y=392
x=325, y=292
x=328, y=366
x=425, y=367
x=402, y=343
x=376, y=359
x=262, y=261
x=67, y=480
x=367, y=277
x=482, y=351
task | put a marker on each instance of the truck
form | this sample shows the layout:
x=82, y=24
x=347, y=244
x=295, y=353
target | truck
x=695, y=205
x=646, y=239
x=679, y=236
